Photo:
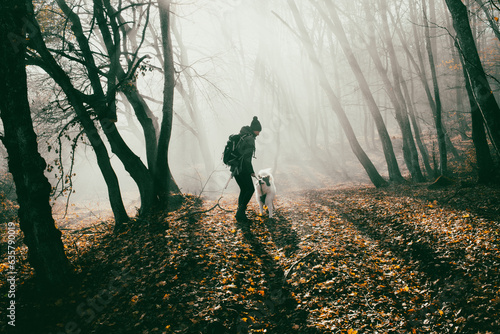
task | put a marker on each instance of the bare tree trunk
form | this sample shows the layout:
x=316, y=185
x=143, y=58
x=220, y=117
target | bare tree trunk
x=45, y=248
x=486, y=171
x=372, y=172
x=463, y=127
x=336, y=26
x=104, y=104
x=476, y=76
x=409, y=148
x=146, y=119
x=416, y=130
x=149, y=123
x=443, y=157
x=111, y=40
x=485, y=166
x=421, y=74
x=162, y=173
x=49, y=65
x=132, y=163
x=420, y=67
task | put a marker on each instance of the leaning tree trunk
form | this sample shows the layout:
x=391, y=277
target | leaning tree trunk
x=482, y=92
x=377, y=180
x=111, y=38
x=416, y=130
x=133, y=165
x=336, y=26
x=395, y=95
x=49, y=65
x=104, y=104
x=409, y=148
x=411, y=110
x=45, y=248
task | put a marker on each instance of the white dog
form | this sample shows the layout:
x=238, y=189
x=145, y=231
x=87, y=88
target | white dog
x=265, y=191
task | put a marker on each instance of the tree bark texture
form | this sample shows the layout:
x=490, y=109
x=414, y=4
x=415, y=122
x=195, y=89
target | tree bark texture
x=45, y=248
x=476, y=76
x=485, y=166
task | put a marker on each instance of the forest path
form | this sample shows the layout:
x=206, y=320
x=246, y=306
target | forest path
x=344, y=260
x=399, y=258
x=420, y=260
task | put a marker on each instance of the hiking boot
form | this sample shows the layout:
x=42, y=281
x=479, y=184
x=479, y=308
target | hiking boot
x=241, y=216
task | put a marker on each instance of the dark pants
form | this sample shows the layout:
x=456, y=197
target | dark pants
x=245, y=183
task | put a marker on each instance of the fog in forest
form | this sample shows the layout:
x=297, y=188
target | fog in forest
x=239, y=59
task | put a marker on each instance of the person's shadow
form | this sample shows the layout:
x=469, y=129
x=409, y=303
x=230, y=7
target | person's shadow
x=282, y=234
x=279, y=307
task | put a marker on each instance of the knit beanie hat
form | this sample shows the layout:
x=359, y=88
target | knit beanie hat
x=255, y=125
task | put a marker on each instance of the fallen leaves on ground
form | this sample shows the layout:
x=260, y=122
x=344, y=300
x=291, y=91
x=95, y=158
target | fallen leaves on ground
x=345, y=260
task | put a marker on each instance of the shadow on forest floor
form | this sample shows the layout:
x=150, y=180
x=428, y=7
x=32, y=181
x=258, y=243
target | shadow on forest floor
x=440, y=234
x=332, y=261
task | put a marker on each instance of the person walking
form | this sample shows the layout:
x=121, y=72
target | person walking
x=243, y=170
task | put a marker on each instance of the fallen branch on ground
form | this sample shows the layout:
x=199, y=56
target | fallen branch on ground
x=205, y=211
x=285, y=277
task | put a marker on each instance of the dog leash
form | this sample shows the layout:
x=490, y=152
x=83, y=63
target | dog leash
x=263, y=196
x=227, y=183
x=260, y=184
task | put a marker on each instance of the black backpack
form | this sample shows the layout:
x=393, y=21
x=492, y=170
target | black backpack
x=231, y=155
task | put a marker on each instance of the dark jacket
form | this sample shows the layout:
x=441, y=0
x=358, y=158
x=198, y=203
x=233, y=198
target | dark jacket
x=246, y=149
